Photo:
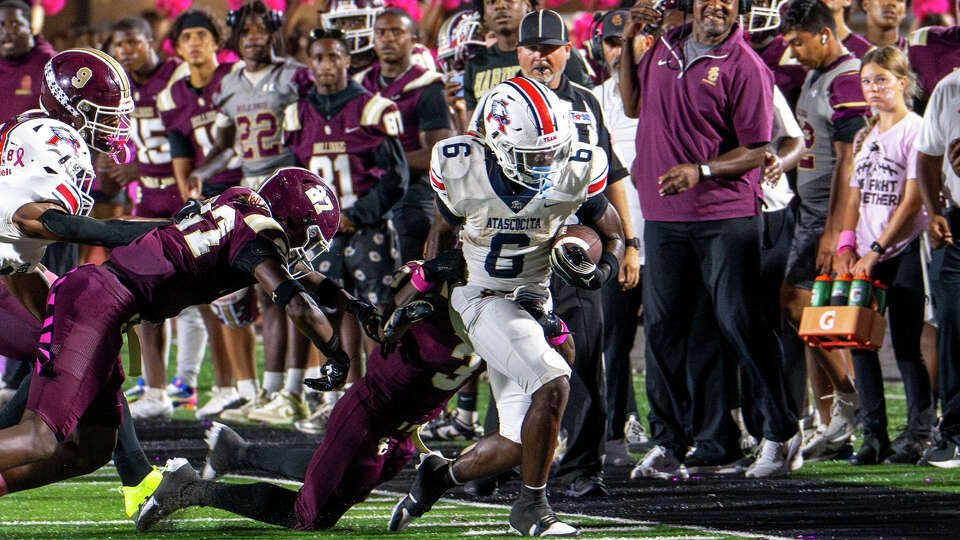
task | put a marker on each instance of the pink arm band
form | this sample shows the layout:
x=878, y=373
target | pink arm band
x=418, y=282
x=848, y=240
x=564, y=332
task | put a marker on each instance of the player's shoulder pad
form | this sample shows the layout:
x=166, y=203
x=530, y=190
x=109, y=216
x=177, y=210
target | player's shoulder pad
x=845, y=89
x=455, y=161
x=165, y=101
x=291, y=117
x=588, y=168
x=254, y=212
x=374, y=109
x=918, y=37
x=180, y=70
x=425, y=79
x=362, y=74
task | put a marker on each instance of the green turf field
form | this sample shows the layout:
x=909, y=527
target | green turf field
x=89, y=507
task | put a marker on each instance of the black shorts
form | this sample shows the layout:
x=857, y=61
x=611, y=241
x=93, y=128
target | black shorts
x=361, y=263
x=802, y=259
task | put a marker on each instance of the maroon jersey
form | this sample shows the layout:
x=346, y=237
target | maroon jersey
x=857, y=44
x=934, y=52
x=188, y=115
x=21, y=92
x=146, y=129
x=788, y=73
x=339, y=136
x=191, y=262
x=413, y=384
x=405, y=91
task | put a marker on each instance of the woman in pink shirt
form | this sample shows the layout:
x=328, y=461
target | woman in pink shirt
x=883, y=219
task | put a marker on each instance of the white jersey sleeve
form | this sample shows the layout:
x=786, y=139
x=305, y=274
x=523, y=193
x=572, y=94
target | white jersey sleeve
x=507, y=233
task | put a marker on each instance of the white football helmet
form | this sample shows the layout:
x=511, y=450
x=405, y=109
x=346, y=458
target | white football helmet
x=528, y=129
x=355, y=19
x=44, y=148
x=764, y=15
x=459, y=38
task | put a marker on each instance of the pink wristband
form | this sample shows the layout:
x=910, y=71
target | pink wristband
x=418, y=282
x=558, y=340
x=848, y=240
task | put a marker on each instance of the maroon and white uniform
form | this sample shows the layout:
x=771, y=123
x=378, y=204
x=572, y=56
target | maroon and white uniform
x=156, y=193
x=934, y=52
x=156, y=276
x=21, y=92
x=188, y=115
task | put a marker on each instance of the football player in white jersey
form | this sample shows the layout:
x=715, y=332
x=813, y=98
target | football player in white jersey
x=510, y=188
x=45, y=178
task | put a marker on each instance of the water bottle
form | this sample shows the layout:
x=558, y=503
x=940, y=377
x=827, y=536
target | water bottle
x=821, y=290
x=860, y=291
x=840, y=293
x=880, y=296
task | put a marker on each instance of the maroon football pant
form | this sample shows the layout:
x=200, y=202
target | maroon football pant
x=80, y=374
x=19, y=329
x=359, y=451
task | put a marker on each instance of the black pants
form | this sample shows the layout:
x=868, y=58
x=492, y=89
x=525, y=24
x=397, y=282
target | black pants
x=585, y=418
x=777, y=236
x=945, y=275
x=411, y=219
x=903, y=276
x=620, y=318
x=721, y=258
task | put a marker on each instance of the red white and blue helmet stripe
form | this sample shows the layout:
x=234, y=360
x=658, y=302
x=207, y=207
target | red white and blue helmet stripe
x=537, y=101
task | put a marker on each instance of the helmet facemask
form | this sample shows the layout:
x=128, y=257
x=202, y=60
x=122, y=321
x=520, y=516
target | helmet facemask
x=360, y=39
x=300, y=262
x=764, y=16
x=538, y=167
x=107, y=129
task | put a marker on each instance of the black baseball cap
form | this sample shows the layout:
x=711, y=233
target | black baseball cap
x=543, y=27
x=612, y=23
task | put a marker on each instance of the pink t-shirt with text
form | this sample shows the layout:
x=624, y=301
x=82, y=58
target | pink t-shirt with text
x=882, y=167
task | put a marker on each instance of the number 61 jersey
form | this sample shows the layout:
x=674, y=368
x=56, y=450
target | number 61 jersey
x=506, y=235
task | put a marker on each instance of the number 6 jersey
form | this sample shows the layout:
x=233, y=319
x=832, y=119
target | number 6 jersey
x=507, y=235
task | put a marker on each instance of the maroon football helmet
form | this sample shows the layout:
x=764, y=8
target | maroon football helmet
x=307, y=209
x=89, y=90
x=355, y=18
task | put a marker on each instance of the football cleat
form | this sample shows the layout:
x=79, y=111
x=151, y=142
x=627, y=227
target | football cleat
x=283, y=409
x=154, y=405
x=945, y=455
x=239, y=414
x=182, y=395
x=661, y=463
x=136, y=391
x=427, y=488
x=169, y=495
x=220, y=400
x=448, y=427
x=535, y=518
x=134, y=496
x=316, y=423
x=225, y=446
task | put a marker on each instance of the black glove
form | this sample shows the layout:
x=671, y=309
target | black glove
x=574, y=266
x=401, y=319
x=369, y=318
x=332, y=376
x=192, y=208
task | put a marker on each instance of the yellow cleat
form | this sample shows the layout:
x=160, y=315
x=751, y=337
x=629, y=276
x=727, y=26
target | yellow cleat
x=134, y=496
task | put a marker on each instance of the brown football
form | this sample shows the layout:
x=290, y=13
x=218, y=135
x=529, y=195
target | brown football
x=582, y=236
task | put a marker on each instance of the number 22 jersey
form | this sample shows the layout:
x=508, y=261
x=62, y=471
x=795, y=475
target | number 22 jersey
x=506, y=235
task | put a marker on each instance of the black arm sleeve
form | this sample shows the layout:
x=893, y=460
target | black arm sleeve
x=85, y=230
x=592, y=209
x=432, y=111
x=180, y=145
x=373, y=206
x=452, y=219
x=617, y=171
x=845, y=129
x=254, y=253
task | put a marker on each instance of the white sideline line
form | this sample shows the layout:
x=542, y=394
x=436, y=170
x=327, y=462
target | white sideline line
x=583, y=529
x=82, y=523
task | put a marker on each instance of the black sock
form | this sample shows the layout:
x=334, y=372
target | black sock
x=467, y=401
x=132, y=465
x=12, y=412
x=260, y=501
x=289, y=462
x=530, y=495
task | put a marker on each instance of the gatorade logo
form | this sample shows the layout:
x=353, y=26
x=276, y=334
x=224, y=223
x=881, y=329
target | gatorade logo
x=827, y=319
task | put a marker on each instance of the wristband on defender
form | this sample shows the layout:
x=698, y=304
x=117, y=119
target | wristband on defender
x=848, y=240
x=558, y=340
x=285, y=292
x=419, y=282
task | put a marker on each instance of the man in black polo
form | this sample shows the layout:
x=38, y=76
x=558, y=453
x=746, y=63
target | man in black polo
x=498, y=62
x=543, y=52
